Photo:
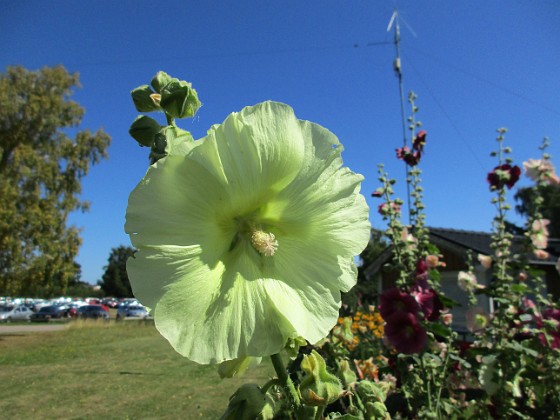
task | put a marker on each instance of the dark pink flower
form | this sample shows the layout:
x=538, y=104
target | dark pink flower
x=503, y=175
x=410, y=157
x=384, y=208
x=393, y=301
x=429, y=302
x=421, y=273
x=419, y=141
x=405, y=333
x=378, y=193
x=553, y=317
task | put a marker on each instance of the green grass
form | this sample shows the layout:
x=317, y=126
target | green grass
x=109, y=370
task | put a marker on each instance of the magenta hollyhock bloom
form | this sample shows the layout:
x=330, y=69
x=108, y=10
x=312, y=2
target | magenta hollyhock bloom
x=405, y=333
x=392, y=301
x=503, y=175
x=429, y=302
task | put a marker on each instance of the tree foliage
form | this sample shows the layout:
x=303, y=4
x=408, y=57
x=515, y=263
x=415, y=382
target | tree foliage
x=115, y=279
x=41, y=168
x=550, y=210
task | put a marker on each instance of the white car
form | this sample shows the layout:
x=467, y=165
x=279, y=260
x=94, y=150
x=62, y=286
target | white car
x=17, y=313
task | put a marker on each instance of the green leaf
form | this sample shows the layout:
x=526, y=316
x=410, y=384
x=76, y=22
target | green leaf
x=439, y=329
x=447, y=302
x=519, y=288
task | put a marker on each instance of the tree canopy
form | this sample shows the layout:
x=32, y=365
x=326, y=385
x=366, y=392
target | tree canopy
x=41, y=168
x=550, y=210
x=115, y=279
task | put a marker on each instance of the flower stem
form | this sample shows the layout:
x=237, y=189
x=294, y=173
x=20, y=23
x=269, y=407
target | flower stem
x=285, y=380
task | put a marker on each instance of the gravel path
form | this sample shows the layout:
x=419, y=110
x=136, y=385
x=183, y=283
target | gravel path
x=10, y=329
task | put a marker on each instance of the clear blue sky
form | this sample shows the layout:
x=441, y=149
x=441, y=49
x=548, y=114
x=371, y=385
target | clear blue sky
x=476, y=65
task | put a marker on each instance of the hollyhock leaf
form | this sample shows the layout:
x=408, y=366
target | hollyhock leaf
x=248, y=238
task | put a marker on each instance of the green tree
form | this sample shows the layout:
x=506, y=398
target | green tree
x=115, y=279
x=41, y=168
x=550, y=209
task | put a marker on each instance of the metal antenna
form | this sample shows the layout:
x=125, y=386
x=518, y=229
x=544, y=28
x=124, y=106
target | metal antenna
x=398, y=72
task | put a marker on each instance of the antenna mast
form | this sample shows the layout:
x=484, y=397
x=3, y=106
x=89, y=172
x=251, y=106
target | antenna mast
x=398, y=72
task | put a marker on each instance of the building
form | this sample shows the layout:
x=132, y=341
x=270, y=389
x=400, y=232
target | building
x=454, y=245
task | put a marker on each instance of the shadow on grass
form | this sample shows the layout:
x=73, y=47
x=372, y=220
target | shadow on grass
x=123, y=372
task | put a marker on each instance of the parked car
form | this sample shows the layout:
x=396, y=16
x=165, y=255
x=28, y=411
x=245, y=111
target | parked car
x=133, y=311
x=16, y=313
x=92, y=311
x=73, y=308
x=46, y=313
x=110, y=302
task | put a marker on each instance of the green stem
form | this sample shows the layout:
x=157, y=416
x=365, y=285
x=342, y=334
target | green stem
x=444, y=372
x=270, y=384
x=319, y=413
x=170, y=119
x=285, y=380
x=429, y=384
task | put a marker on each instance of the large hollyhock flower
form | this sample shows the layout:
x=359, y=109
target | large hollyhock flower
x=541, y=170
x=405, y=333
x=247, y=238
x=392, y=301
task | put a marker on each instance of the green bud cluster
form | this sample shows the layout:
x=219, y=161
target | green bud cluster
x=176, y=99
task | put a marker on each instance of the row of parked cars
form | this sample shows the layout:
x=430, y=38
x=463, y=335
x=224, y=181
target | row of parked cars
x=71, y=308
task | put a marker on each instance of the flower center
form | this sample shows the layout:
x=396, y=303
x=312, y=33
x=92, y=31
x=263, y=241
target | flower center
x=265, y=243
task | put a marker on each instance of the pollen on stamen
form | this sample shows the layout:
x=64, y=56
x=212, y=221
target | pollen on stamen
x=264, y=243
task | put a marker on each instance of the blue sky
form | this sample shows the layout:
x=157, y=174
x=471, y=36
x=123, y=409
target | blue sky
x=475, y=65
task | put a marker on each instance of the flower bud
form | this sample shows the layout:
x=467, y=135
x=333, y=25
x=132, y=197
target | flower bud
x=346, y=373
x=248, y=403
x=377, y=410
x=171, y=140
x=160, y=80
x=143, y=98
x=144, y=130
x=318, y=387
x=179, y=99
x=292, y=346
x=370, y=391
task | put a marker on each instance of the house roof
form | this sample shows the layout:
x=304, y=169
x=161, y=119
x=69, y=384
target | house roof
x=460, y=241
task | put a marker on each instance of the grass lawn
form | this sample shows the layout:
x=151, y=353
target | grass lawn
x=109, y=370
